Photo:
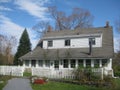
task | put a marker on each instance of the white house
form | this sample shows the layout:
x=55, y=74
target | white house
x=59, y=51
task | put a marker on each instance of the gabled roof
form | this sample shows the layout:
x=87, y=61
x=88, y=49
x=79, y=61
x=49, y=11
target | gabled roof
x=106, y=51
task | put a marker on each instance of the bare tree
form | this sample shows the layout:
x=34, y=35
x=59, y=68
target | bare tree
x=79, y=18
x=10, y=44
x=7, y=43
x=41, y=28
x=117, y=28
x=59, y=18
x=1, y=39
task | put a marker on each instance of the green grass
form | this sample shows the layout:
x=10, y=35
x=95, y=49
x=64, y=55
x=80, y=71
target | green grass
x=62, y=86
x=65, y=86
x=4, y=79
x=27, y=74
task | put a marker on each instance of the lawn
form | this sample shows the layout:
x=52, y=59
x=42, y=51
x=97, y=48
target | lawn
x=62, y=86
x=4, y=79
x=65, y=86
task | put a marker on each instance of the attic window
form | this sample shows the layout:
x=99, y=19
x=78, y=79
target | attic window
x=67, y=42
x=92, y=40
x=50, y=43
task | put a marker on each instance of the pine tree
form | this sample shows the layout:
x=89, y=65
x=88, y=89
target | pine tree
x=23, y=48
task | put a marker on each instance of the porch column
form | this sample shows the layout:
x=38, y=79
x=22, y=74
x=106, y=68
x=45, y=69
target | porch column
x=52, y=64
x=61, y=64
x=84, y=62
x=24, y=63
x=69, y=63
x=92, y=62
x=109, y=63
x=76, y=63
x=100, y=63
x=29, y=63
x=43, y=63
x=36, y=63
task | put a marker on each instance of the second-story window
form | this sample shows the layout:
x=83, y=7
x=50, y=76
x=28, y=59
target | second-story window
x=50, y=43
x=67, y=42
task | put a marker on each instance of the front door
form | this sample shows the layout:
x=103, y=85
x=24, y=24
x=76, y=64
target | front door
x=56, y=65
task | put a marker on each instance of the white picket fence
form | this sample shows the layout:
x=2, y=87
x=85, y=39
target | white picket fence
x=51, y=73
x=61, y=73
x=11, y=70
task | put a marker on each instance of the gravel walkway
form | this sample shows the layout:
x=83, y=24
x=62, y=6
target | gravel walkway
x=18, y=84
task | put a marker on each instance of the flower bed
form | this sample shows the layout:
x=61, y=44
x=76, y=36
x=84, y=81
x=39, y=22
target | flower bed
x=38, y=80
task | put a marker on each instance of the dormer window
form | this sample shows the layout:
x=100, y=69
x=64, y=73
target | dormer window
x=92, y=40
x=67, y=42
x=50, y=43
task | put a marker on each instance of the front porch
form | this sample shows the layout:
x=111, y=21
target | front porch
x=68, y=63
x=64, y=68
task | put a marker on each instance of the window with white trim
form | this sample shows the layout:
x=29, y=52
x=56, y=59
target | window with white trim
x=50, y=43
x=26, y=62
x=67, y=42
x=80, y=62
x=47, y=63
x=40, y=63
x=72, y=63
x=104, y=62
x=65, y=63
x=88, y=62
x=96, y=63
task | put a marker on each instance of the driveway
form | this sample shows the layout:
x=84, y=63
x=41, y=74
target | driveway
x=18, y=84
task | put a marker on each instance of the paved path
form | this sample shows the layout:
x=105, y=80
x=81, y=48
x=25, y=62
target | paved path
x=18, y=84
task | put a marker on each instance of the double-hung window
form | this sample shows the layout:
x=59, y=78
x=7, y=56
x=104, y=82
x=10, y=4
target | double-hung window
x=50, y=43
x=67, y=42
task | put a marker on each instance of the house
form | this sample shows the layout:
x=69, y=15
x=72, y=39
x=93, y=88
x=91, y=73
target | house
x=58, y=51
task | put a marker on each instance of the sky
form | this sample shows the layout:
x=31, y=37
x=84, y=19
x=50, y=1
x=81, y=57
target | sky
x=16, y=15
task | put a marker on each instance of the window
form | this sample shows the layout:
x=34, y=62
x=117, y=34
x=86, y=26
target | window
x=80, y=63
x=47, y=63
x=67, y=42
x=27, y=63
x=33, y=63
x=56, y=64
x=104, y=62
x=96, y=63
x=72, y=62
x=65, y=63
x=92, y=41
x=88, y=63
x=50, y=43
x=40, y=63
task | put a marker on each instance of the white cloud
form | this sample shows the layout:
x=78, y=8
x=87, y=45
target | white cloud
x=116, y=44
x=2, y=8
x=7, y=27
x=35, y=8
x=4, y=1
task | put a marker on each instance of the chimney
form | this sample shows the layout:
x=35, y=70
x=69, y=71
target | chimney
x=49, y=29
x=90, y=46
x=107, y=24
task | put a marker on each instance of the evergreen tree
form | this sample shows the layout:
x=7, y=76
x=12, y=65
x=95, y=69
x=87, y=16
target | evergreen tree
x=23, y=48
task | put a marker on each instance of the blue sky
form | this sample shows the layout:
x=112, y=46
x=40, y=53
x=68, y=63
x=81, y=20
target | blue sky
x=15, y=15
